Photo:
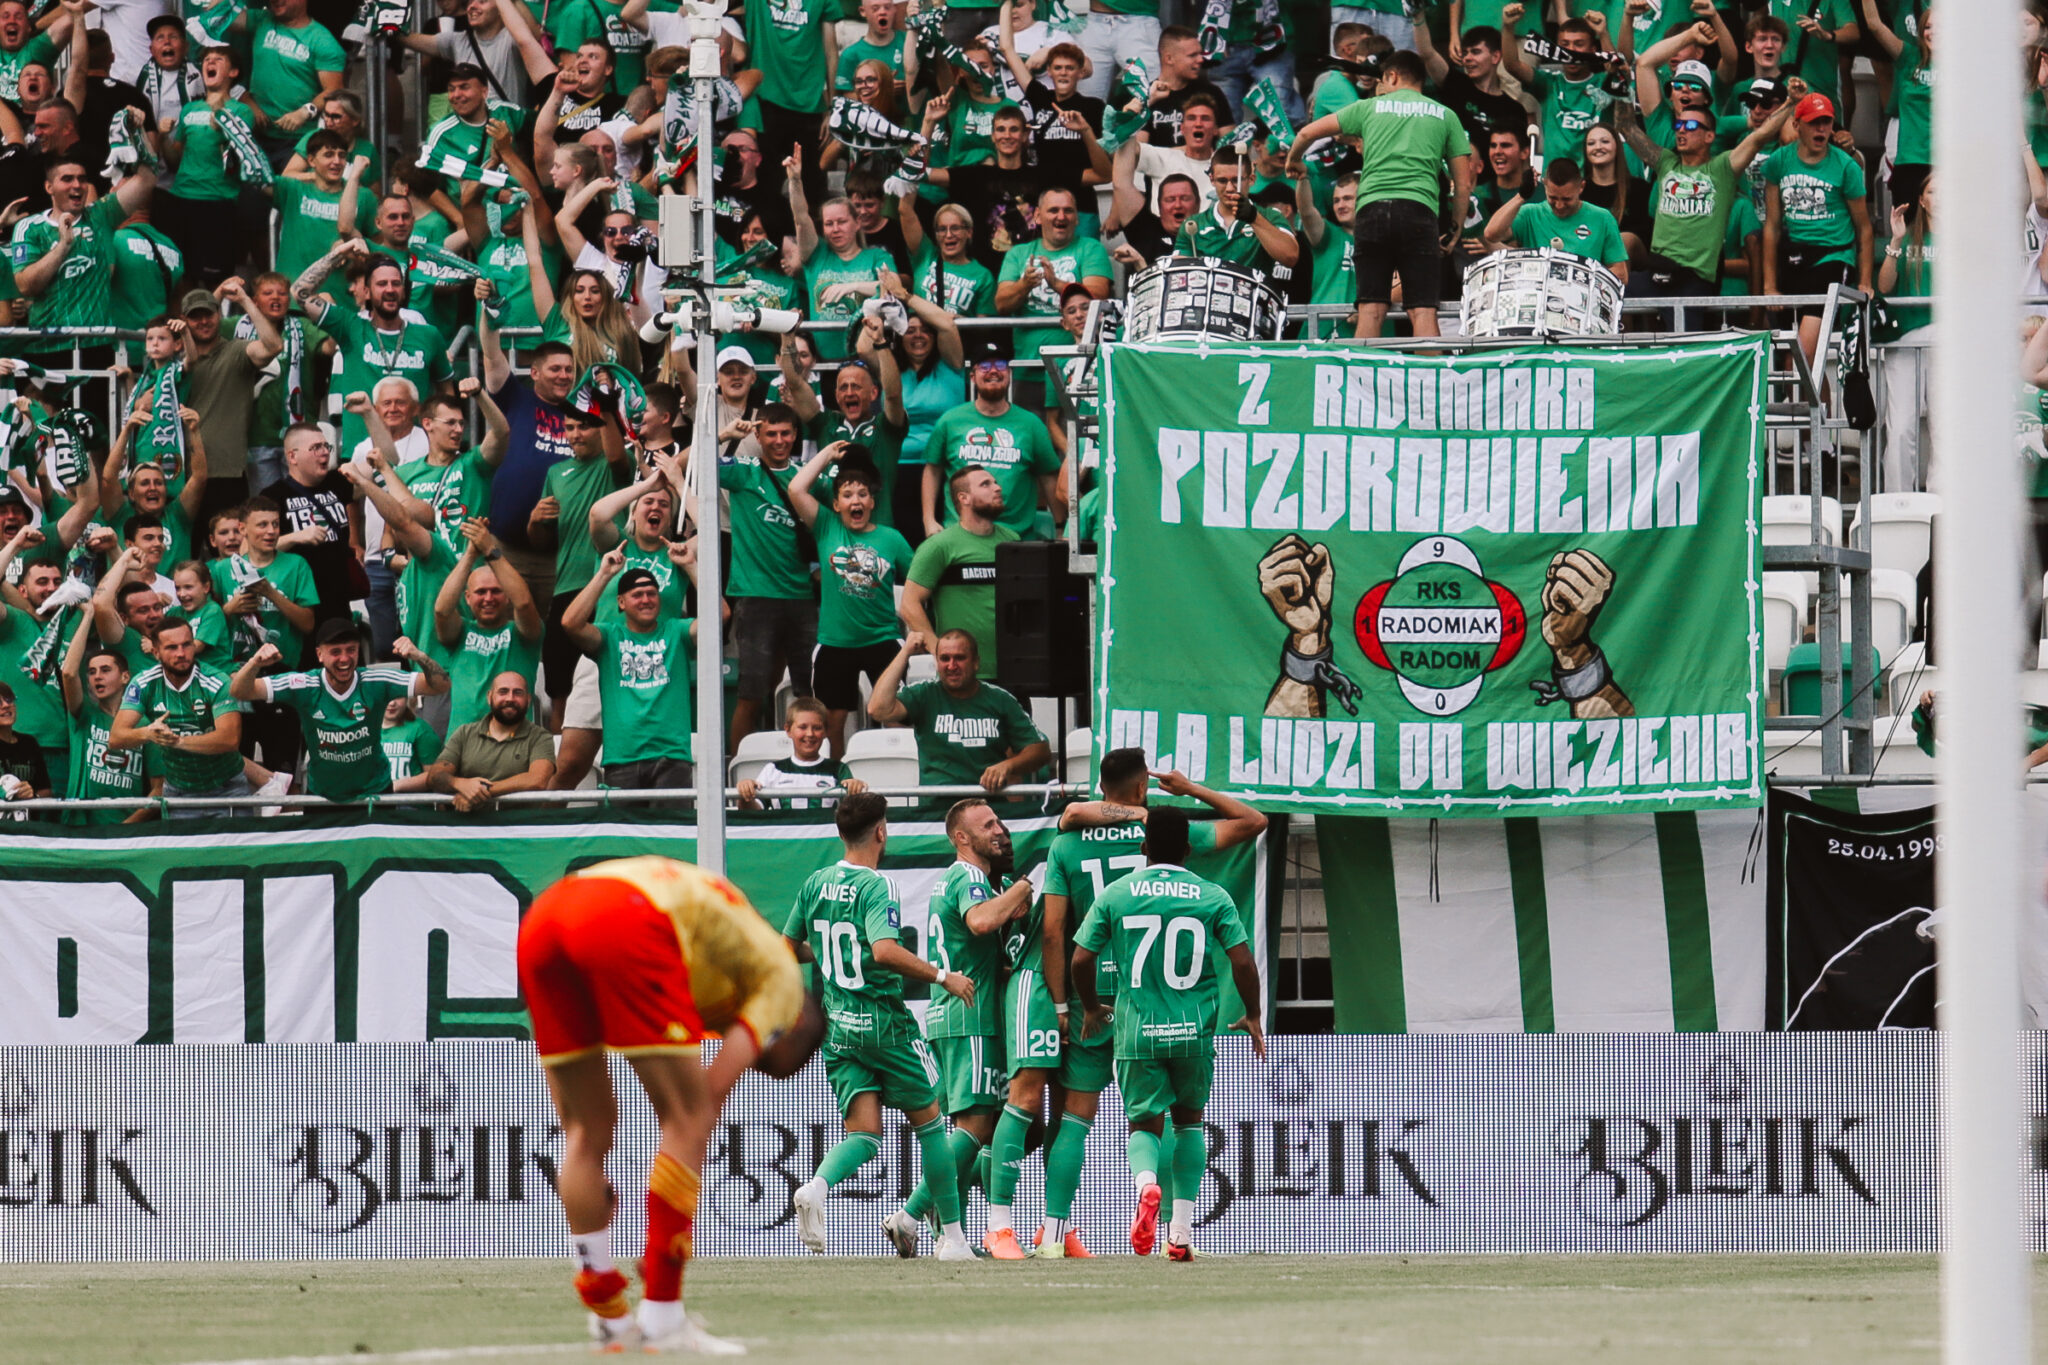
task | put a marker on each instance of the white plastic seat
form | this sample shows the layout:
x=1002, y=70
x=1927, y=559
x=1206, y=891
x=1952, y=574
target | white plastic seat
x=1902, y=530
x=1784, y=602
x=1787, y=520
x=922, y=668
x=1079, y=744
x=1891, y=612
x=756, y=752
x=884, y=757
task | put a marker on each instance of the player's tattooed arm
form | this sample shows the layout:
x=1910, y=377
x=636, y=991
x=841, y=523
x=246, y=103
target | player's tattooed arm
x=1099, y=815
x=1575, y=589
x=1298, y=580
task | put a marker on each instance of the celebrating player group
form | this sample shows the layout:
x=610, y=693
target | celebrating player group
x=1113, y=970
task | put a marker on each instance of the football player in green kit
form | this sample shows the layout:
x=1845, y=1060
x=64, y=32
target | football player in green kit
x=1167, y=928
x=1100, y=842
x=846, y=919
x=969, y=913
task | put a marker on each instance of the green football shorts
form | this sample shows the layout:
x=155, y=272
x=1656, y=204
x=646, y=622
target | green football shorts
x=971, y=1073
x=905, y=1074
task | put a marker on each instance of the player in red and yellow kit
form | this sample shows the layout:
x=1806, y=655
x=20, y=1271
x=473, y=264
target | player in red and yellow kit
x=647, y=957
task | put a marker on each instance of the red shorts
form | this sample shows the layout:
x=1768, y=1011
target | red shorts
x=600, y=967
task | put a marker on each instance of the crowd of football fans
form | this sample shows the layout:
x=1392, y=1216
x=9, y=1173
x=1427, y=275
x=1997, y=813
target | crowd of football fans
x=401, y=496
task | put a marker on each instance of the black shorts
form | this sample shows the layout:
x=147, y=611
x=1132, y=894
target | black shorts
x=1398, y=237
x=773, y=633
x=558, y=653
x=836, y=670
x=1800, y=271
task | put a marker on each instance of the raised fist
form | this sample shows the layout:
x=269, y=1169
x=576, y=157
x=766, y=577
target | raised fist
x=1574, y=590
x=1297, y=581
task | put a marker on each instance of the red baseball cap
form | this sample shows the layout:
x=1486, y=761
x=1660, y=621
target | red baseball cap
x=1813, y=109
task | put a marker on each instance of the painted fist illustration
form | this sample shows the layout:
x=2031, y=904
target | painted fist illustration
x=1298, y=581
x=1575, y=588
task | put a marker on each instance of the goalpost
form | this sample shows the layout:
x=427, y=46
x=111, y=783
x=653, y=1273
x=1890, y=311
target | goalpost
x=1985, y=1270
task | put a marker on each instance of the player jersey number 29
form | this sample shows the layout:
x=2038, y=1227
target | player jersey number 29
x=1169, y=952
x=841, y=958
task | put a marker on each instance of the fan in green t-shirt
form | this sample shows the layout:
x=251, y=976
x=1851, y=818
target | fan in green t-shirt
x=309, y=210
x=969, y=732
x=64, y=258
x=341, y=706
x=870, y=412
x=1561, y=220
x=841, y=272
x=991, y=432
x=859, y=565
x=93, y=681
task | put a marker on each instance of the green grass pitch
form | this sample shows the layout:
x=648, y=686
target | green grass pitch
x=1813, y=1310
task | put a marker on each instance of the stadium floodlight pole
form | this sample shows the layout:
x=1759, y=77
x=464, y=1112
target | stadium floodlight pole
x=710, y=746
x=1985, y=1269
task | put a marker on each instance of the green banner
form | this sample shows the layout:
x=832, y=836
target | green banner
x=395, y=927
x=1520, y=580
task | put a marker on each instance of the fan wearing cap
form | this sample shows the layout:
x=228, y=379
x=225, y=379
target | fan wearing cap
x=341, y=705
x=991, y=433
x=1696, y=189
x=645, y=673
x=1817, y=229
x=1562, y=220
x=169, y=78
x=1236, y=229
x=1690, y=95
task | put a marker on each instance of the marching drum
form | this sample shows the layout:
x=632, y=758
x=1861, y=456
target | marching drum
x=1194, y=296
x=1539, y=294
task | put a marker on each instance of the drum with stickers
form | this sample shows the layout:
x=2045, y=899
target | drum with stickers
x=1195, y=296
x=1543, y=293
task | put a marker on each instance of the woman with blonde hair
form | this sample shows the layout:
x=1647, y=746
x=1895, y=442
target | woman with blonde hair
x=589, y=318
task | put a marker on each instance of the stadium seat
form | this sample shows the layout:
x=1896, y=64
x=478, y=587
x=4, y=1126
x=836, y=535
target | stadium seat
x=923, y=668
x=1784, y=597
x=1787, y=520
x=1909, y=676
x=756, y=752
x=1078, y=745
x=1800, y=686
x=1891, y=612
x=884, y=757
x=1901, y=530
x=1897, y=752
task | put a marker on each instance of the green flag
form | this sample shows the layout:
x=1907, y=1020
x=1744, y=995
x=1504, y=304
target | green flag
x=1517, y=581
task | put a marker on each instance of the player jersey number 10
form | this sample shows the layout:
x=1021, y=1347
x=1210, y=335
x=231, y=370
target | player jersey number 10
x=1197, y=944
x=841, y=963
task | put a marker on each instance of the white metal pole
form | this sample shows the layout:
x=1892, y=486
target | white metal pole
x=710, y=744
x=1985, y=1275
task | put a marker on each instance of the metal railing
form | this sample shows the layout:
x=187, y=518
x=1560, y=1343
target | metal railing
x=1046, y=793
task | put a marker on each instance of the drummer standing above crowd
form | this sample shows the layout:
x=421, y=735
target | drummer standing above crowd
x=1406, y=140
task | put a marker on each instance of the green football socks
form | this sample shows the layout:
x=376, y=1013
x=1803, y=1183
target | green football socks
x=1006, y=1163
x=851, y=1153
x=1142, y=1148
x=937, y=1155
x=967, y=1151
x=1063, y=1167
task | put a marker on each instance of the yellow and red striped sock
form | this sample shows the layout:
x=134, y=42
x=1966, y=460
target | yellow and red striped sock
x=671, y=1214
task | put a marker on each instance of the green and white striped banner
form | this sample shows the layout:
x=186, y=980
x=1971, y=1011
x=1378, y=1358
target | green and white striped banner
x=1606, y=923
